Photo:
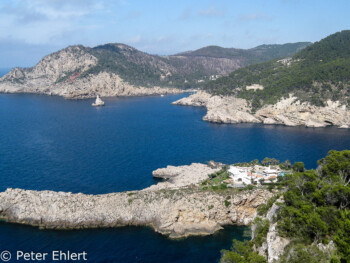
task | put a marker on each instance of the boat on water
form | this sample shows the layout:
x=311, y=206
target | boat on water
x=98, y=102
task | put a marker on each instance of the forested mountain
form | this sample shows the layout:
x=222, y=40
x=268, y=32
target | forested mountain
x=318, y=73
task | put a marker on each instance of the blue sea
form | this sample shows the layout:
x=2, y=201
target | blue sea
x=49, y=143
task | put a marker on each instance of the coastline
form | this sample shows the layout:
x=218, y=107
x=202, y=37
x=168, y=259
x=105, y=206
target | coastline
x=176, y=208
x=288, y=111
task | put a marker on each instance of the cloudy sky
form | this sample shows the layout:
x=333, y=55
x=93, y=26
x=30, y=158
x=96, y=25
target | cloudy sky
x=30, y=29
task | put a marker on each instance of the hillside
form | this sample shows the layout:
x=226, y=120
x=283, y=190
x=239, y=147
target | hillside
x=118, y=69
x=308, y=220
x=248, y=56
x=316, y=74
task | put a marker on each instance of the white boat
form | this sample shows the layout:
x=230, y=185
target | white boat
x=98, y=102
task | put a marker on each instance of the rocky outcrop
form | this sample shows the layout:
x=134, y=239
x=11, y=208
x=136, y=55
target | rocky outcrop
x=105, y=84
x=180, y=176
x=288, y=111
x=220, y=109
x=66, y=73
x=98, y=102
x=176, y=212
x=273, y=246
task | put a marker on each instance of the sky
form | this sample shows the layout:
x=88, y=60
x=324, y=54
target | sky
x=31, y=29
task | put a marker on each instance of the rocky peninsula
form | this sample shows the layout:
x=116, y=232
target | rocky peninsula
x=176, y=207
x=288, y=111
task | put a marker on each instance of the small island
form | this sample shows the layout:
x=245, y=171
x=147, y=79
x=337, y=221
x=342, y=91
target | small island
x=98, y=102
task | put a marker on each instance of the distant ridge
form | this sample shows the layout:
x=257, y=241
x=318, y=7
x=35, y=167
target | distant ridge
x=117, y=69
x=318, y=73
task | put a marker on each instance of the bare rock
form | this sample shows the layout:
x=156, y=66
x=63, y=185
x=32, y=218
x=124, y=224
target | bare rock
x=180, y=176
x=61, y=74
x=275, y=244
x=175, y=212
x=288, y=111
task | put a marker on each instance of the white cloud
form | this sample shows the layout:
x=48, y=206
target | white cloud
x=39, y=21
x=254, y=17
x=211, y=11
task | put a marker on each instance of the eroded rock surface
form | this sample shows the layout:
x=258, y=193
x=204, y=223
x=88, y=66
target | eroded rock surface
x=180, y=176
x=66, y=73
x=176, y=212
x=288, y=111
x=273, y=247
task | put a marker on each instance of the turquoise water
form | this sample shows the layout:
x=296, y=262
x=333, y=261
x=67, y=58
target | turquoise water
x=66, y=145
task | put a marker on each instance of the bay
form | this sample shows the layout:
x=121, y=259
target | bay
x=49, y=143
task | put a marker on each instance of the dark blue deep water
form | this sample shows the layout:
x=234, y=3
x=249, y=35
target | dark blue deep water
x=66, y=145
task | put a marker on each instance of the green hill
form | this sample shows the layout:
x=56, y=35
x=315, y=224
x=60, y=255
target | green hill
x=258, y=54
x=317, y=73
x=185, y=69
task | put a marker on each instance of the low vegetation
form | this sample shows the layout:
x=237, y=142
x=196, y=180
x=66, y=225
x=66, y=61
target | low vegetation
x=216, y=181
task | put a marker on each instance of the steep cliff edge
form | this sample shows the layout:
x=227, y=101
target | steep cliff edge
x=288, y=111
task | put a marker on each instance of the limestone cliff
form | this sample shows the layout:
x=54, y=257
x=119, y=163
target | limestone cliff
x=68, y=73
x=273, y=246
x=176, y=209
x=288, y=111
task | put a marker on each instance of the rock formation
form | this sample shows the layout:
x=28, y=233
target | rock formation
x=174, y=211
x=273, y=246
x=181, y=176
x=98, y=102
x=288, y=111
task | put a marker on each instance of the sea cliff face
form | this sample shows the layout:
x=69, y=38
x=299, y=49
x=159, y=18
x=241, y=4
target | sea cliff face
x=288, y=111
x=65, y=73
x=173, y=208
x=273, y=246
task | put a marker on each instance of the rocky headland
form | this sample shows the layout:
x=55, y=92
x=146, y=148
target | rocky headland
x=176, y=207
x=288, y=111
x=66, y=73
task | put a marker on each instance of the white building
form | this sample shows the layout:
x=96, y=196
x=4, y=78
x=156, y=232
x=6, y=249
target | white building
x=239, y=175
x=270, y=171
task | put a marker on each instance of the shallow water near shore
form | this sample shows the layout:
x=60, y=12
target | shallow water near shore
x=49, y=143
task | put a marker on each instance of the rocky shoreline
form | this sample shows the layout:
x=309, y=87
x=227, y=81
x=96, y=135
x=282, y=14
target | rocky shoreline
x=176, y=207
x=288, y=111
x=66, y=73
x=103, y=84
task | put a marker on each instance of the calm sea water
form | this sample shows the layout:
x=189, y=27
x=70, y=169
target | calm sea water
x=48, y=143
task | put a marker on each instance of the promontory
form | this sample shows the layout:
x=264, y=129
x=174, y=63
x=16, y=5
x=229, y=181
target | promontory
x=310, y=88
x=178, y=206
